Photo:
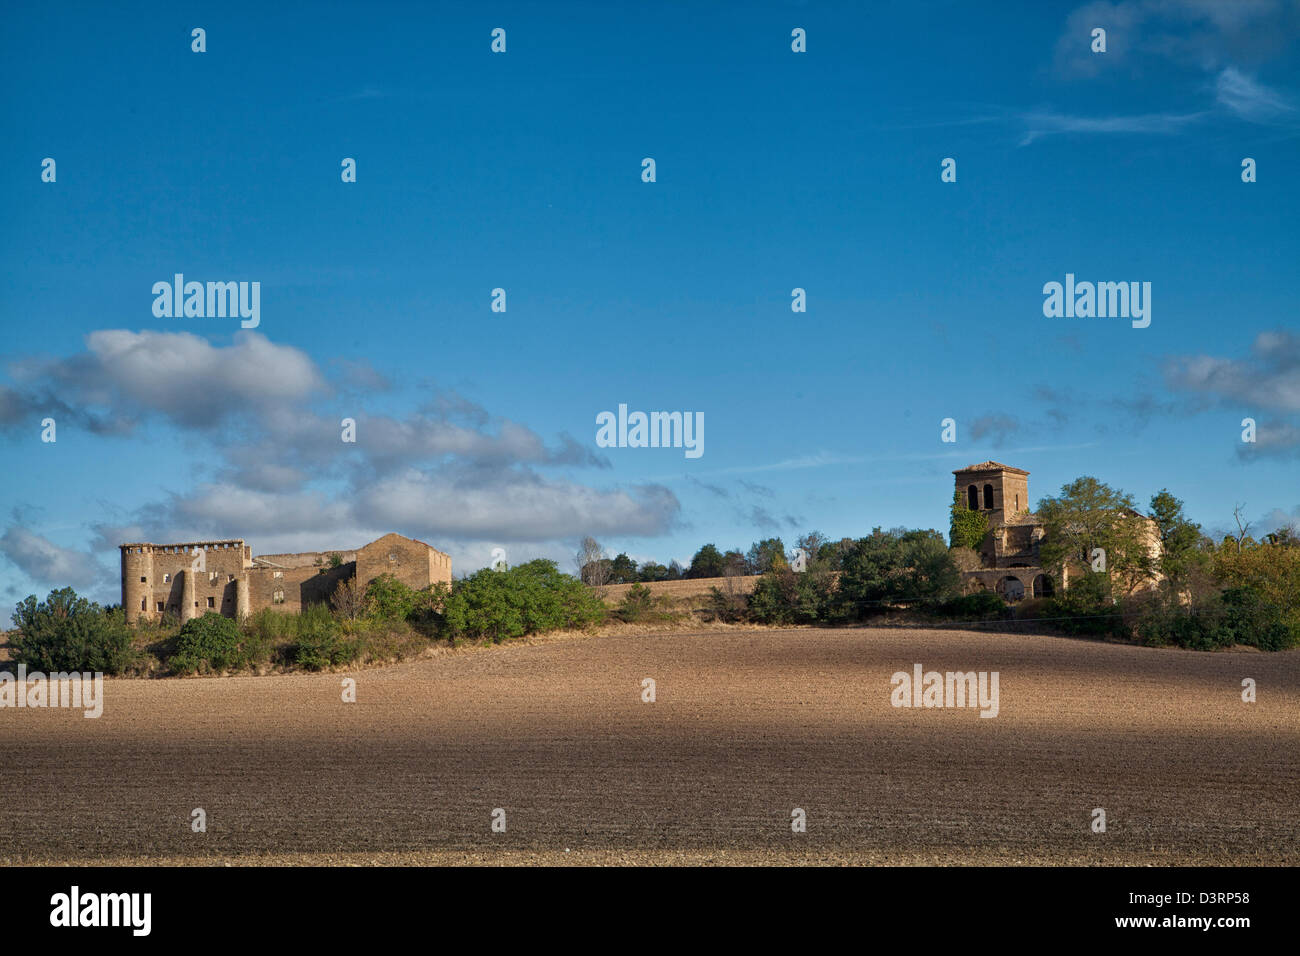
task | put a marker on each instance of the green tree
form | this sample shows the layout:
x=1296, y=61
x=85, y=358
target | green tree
x=531, y=597
x=707, y=563
x=622, y=570
x=650, y=571
x=928, y=573
x=389, y=599
x=765, y=555
x=1180, y=539
x=69, y=633
x=1088, y=515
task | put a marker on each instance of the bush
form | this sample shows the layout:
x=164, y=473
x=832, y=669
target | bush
x=1253, y=619
x=980, y=606
x=636, y=603
x=389, y=599
x=1087, y=607
x=208, y=643
x=533, y=597
x=319, y=642
x=1272, y=573
x=784, y=596
x=68, y=633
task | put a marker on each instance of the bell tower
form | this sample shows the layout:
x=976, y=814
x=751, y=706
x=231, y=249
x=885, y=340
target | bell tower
x=998, y=490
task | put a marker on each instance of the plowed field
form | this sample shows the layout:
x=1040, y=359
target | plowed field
x=746, y=726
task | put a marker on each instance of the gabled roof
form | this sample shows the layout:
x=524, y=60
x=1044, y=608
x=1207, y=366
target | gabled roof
x=990, y=466
x=394, y=534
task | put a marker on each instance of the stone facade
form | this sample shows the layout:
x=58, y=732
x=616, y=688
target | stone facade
x=189, y=579
x=1009, y=554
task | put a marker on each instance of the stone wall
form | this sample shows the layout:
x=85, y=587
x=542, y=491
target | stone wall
x=158, y=579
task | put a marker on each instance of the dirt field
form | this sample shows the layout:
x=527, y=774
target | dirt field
x=685, y=593
x=747, y=725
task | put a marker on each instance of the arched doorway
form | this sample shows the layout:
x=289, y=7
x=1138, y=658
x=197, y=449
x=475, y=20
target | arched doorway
x=1011, y=588
x=1042, y=586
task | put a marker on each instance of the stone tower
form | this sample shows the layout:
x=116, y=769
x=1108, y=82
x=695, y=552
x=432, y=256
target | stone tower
x=998, y=490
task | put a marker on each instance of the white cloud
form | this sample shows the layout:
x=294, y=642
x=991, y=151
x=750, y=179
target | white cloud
x=1248, y=98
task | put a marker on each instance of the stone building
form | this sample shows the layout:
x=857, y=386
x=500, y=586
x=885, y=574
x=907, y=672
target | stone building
x=190, y=579
x=1009, y=554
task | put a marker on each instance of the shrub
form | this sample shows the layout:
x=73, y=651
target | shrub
x=1270, y=571
x=318, y=642
x=980, y=606
x=1087, y=607
x=69, y=633
x=532, y=597
x=208, y=643
x=784, y=596
x=389, y=599
x=1253, y=619
x=636, y=603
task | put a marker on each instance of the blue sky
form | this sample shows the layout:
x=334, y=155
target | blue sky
x=522, y=170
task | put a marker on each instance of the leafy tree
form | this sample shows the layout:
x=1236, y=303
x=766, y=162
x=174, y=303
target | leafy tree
x=707, y=563
x=531, y=597
x=69, y=633
x=928, y=573
x=966, y=528
x=901, y=565
x=1273, y=572
x=1088, y=515
x=1180, y=539
x=389, y=599
x=622, y=570
x=765, y=555
x=650, y=571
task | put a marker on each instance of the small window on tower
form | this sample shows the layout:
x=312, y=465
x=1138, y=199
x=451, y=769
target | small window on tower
x=144, y=580
x=988, y=497
x=212, y=602
x=167, y=579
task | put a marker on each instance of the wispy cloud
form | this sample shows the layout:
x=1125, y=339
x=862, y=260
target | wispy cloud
x=1248, y=98
x=1048, y=123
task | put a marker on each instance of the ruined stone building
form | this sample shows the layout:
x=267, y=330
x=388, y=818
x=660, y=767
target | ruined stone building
x=1009, y=554
x=190, y=579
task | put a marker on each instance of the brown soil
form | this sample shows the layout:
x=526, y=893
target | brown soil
x=748, y=725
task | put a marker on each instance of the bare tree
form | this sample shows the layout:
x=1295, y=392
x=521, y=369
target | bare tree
x=348, y=600
x=593, y=565
x=1243, y=527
